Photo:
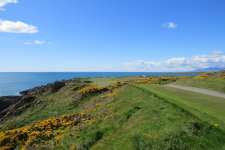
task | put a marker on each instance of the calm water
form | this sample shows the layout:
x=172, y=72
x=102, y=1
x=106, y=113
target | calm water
x=13, y=83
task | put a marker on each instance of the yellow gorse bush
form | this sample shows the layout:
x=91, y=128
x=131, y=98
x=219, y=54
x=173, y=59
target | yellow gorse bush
x=155, y=80
x=202, y=76
x=39, y=131
x=92, y=89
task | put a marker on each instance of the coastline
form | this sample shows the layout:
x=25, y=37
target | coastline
x=14, y=83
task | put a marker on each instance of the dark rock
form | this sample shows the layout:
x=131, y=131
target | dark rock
x=16, y=108
x=6, y=101
x=51, y=87
x=87, y=81
x=57, y=86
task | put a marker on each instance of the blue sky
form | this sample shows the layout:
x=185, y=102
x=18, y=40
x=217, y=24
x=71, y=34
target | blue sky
x=111, y=35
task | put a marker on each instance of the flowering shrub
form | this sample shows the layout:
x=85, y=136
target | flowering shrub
x=202, y=76
x=143, y=80
x=39, y=132
x=92, y=89
x=156, y=80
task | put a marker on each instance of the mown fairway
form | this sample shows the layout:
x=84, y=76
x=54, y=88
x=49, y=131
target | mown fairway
x=201, y=105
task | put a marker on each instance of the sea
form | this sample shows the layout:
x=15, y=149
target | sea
x=11, y=83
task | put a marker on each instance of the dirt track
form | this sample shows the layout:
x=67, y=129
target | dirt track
x=198, y=90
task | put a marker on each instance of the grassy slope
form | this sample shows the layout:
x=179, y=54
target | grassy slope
x=51, y=105
x=204, y=106
x=136, y=119
x=129, y=118
x=56, y=104
x=157, y=125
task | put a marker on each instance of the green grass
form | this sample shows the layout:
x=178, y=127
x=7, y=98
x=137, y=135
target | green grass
x=135, y=117
x=204, y=106
x=212, y=83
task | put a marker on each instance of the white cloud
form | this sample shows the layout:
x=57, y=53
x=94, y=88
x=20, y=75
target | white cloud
x=35, y=42
x=17, y=27
x=3, y=3
x=170, y=25
x=213, y=60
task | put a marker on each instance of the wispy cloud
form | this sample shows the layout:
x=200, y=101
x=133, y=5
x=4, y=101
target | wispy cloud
x=35, y=42
x=216, y=59
x=17, y=27
x=170, y=25
x=3, y=3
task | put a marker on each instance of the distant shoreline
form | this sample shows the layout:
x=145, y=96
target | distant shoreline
x=11, y=83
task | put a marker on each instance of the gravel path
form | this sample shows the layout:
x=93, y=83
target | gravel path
x=198, y=90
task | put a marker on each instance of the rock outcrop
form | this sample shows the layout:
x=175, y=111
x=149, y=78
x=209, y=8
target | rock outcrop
x=6, y=101
x=14, y=105
x=51, y=87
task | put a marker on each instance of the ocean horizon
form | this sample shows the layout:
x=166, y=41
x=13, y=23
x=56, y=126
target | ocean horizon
x=11, y=83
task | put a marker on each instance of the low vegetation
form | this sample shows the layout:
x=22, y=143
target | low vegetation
x=212, y=81
x=39, y=132
x=136, y=113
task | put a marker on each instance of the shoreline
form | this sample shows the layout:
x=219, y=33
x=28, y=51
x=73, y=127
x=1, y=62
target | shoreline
x=11, y=84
